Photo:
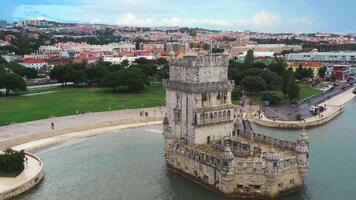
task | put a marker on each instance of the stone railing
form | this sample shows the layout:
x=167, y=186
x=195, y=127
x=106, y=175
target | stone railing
x=201, y=61
x=199, y=87
x=259, y=137
x=28, y=184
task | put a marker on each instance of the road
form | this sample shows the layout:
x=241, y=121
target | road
x=288, y=113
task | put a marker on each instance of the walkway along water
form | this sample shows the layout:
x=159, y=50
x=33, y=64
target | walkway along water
x=335, y=106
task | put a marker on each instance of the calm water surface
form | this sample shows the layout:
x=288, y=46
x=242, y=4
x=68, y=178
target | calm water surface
x=130, y=166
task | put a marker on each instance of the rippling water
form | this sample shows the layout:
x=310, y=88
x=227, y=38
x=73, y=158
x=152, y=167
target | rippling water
x=130, y=165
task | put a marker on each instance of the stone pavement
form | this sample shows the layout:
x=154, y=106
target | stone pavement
x=41, y=126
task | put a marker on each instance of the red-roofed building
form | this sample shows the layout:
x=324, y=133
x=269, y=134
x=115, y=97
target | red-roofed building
x=34, y=63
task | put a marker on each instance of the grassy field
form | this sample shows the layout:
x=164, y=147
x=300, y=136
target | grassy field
x=305, y=91
x=66, y=101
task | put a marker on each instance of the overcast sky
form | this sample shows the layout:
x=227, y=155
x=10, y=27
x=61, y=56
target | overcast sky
x=255, y=15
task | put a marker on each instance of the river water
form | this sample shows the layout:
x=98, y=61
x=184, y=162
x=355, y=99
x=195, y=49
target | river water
x=130, y=166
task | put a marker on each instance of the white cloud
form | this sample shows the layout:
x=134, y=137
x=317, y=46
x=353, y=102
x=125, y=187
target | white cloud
x=131, y=19
x=262, y=19
x=305, y=20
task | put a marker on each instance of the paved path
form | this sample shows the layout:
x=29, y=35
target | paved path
x=40, y=126
x=289, y=113
x=333, y=106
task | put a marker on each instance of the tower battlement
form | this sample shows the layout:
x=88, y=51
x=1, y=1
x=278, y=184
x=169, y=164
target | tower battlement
x=199, y=69
x=193, y=60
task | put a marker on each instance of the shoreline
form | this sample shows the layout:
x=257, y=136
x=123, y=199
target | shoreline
x=18, y=134
x=42, y=144
x=335, y=106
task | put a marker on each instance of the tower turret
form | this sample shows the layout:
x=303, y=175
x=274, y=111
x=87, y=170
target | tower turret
x=271, y=161
x=302, y=150
x=168, y=134
x=228, y=157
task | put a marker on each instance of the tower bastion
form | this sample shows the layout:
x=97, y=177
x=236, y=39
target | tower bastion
x=206, y=143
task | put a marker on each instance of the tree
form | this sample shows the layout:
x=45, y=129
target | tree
x=322, y=72
x=79, y=76
x=30, y=73
x=293, y=90
x=249, y=58
x=2, y=61
x=279, y=67
x=287, y=76
x=22, y=70
x=253, y=84
x=309, y=73
x=133, y=79
x=58, y=73
x=271, y=97
x=12, y=82
x=125, y=63
x=111, y=80
x=259, y=65
x=236, y=93
x=299, y=73
x=12, y=161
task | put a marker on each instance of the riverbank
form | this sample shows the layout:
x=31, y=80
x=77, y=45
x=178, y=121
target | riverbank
x=17, y=134
x=335, y=106
x=37, y=135
x=27, y=179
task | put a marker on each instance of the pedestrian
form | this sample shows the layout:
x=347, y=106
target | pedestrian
x=52, y=126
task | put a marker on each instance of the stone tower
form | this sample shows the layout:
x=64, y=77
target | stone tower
x=198, y=99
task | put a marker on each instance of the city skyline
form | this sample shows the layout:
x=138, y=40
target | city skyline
x=241, y=15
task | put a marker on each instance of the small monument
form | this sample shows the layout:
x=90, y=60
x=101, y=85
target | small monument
x=205, y=143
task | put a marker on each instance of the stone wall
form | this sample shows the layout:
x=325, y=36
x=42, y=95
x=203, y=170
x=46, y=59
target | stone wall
x=247, y=179
x=298, y=124
x=32, y=182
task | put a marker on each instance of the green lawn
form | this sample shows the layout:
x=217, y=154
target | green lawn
x=305, y=91
x=66, y=101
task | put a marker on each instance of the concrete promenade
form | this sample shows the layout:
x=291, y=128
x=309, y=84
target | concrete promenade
x=27, y=179
x=16, y=134
x=334, y=108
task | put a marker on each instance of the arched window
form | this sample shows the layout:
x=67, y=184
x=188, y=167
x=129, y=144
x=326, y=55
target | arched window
x=201, y=118
x=215, y=116
x=224, y=115
x=206, y=118
x=228, y=114
x=220, y=116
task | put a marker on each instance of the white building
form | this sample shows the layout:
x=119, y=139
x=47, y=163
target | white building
x=118, y=60
x=324, y=57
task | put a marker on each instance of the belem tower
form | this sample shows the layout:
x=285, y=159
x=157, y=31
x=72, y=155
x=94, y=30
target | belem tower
x=206, y=143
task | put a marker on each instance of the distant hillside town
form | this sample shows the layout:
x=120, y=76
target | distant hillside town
x=42, y=45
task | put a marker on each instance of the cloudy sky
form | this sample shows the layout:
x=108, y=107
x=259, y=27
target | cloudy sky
x=256, y=15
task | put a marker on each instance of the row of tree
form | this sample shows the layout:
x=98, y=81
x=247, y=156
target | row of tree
x=134, y=77
x=10, y=81
x=258, y=77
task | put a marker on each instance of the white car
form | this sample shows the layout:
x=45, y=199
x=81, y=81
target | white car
x=313, y=109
